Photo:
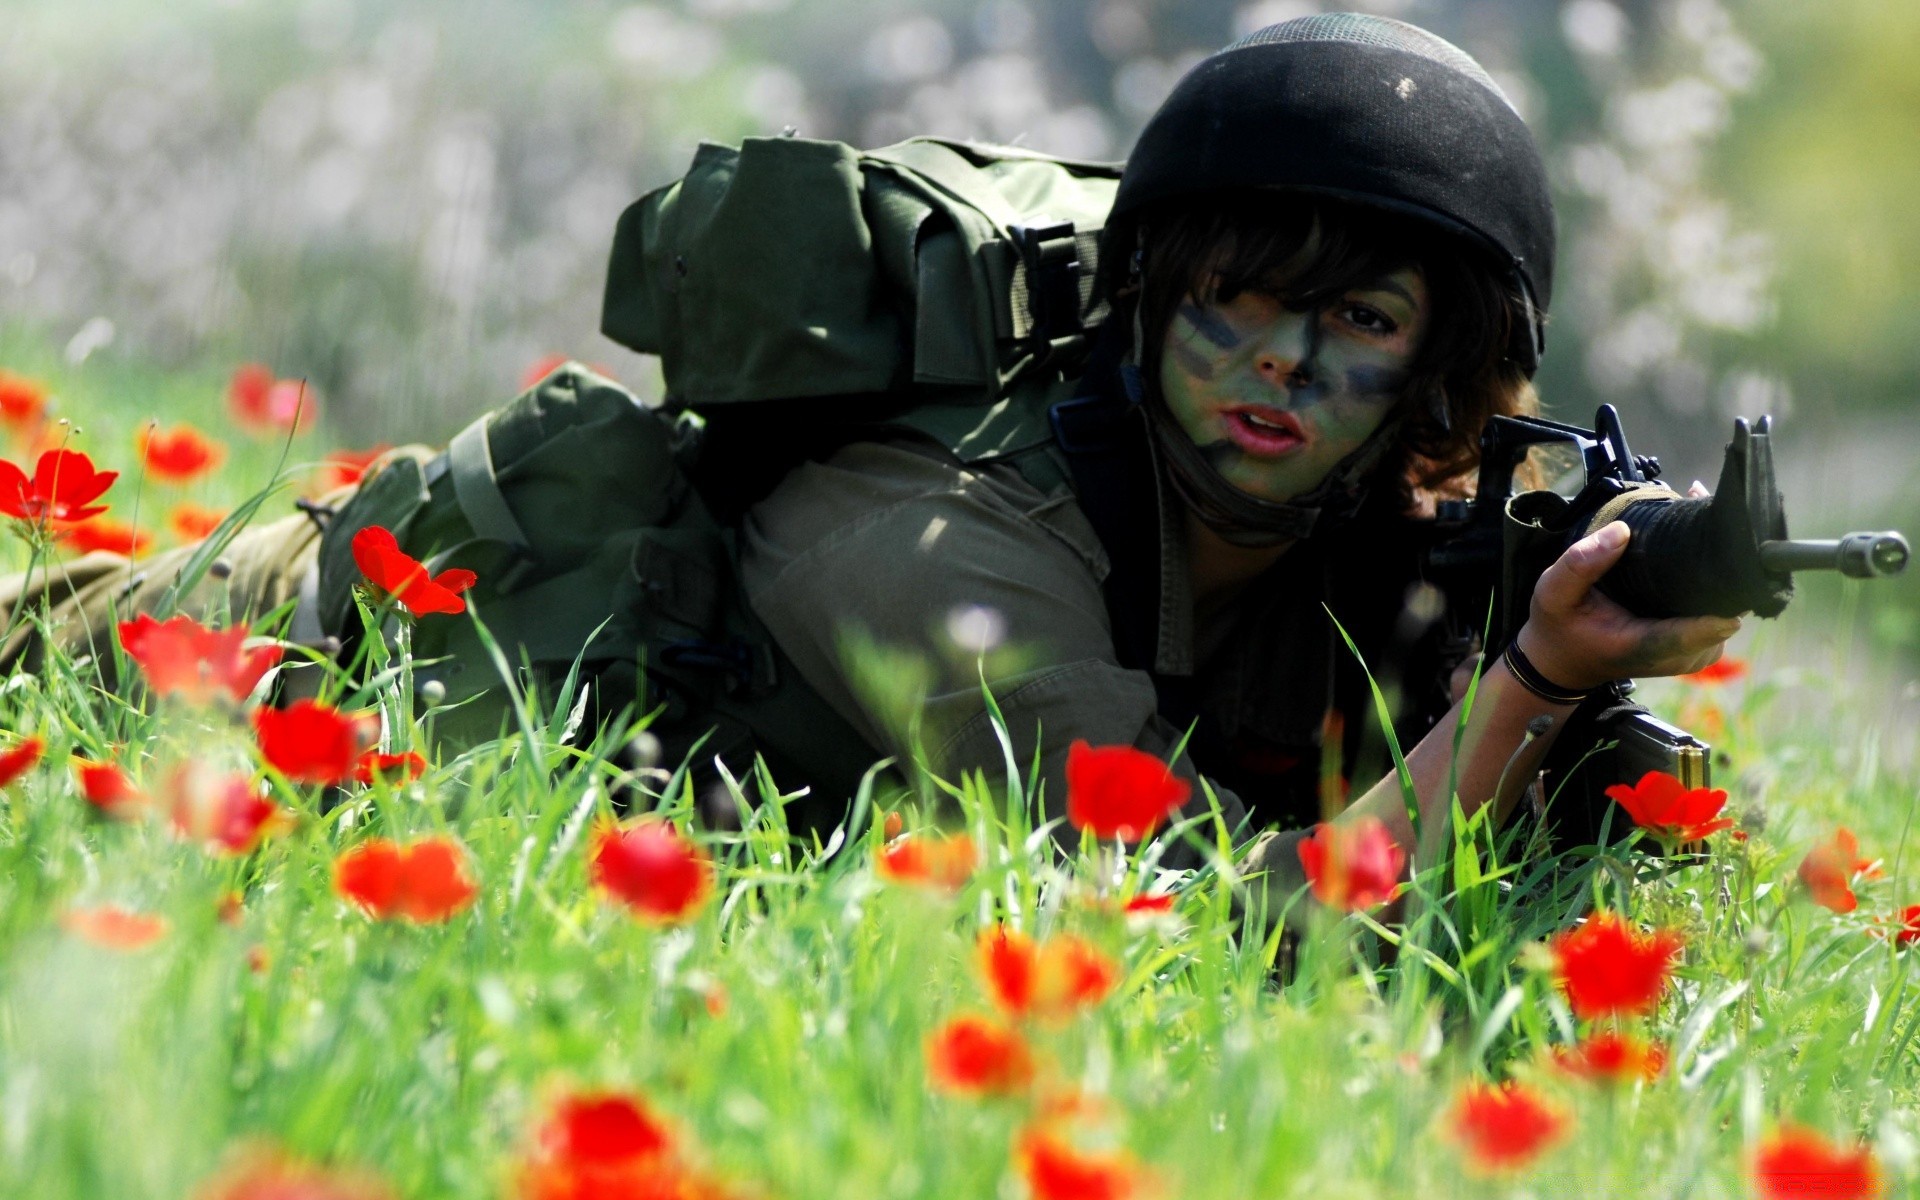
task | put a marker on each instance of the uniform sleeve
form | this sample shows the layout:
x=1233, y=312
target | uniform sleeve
x=857, y=564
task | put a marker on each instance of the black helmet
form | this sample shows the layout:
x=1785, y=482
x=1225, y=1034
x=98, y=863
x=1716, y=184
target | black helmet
x=1366, y=109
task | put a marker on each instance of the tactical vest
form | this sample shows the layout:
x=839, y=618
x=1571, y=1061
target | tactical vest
x=798, y=293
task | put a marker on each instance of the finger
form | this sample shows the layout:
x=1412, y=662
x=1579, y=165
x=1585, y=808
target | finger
x=1567, y=582
x=1698, y=491
x=1673, y=645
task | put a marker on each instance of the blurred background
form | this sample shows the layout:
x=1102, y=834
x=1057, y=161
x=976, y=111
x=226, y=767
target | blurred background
x=410, y=203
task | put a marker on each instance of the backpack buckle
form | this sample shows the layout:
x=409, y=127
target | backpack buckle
x=1050, y=254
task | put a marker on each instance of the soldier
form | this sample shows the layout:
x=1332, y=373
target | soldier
x=1327, y=264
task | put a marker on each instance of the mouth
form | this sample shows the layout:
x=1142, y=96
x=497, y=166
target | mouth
x=1262, y=431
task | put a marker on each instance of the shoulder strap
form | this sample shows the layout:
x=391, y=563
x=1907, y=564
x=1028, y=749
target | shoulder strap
x=470, y=460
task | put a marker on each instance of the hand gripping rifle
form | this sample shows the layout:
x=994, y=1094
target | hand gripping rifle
x=1725, y=555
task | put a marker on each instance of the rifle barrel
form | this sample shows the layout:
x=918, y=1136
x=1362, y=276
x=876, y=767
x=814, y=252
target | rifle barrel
x=1859, y=555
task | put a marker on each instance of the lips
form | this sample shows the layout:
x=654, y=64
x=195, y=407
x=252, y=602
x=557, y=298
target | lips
x=1262, y=431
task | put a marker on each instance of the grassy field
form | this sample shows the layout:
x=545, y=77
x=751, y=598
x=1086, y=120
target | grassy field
x=242, y=1024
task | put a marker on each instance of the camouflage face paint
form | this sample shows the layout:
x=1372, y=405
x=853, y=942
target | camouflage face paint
x=1276, y=398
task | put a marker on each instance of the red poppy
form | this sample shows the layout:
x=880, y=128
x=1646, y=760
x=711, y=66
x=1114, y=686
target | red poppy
x=184, y=658
x=190, y=522
x=1907, y=932
x=178, y=455
x=106, y=534
x=1794, y=1162
x=1668, y=809
x=63, y=488
x=1609, y=968
x=660, y=874
x=1050, y=980
x=928, y=859
x=114, y=927
x=309, y=742
x=258, y=401
x=540, y=368
x=425, y=881
x=608, y=1146
x=1506, y=1127
x=1829, y=869
x=19, y=758
x=1612, y=1058
x=1120, y=792
x=1149, y=904
x=265, y=1173
x=403, y=577
x=391, y=768
x=972, y=1055
x=1352, y=866
x=1726, y=670
x=247, y=393
x=344, y=468
x=23, y=402
x=110, y=790
x=1055, y=1169
x=225, y=813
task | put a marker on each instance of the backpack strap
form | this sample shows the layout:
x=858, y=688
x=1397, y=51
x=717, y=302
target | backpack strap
x=469, y=459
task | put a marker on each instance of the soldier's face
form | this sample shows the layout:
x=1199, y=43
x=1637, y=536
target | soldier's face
x=1275, y=398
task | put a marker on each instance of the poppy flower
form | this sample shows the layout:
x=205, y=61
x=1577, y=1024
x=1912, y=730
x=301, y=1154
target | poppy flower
x=398, y=768
x=1120, y=792
x=1352, y=866
x=1504, y=1127
x=105, y=534
x=1149, y=904
x=660, y=874
x=1050, y=980
x=425, y=881
x=23, y=402
x=1612, y=1057
x=400, y=575
x=110, y=790
x=310, y=742
x=178, y=455
x=190, y=522
x=181, y=657
x=225, y=813
x=19, y=758
x=972, y=1055
x=114, y=927
x=891, y=825
x=1907, y=932
x=1671, y=811
x=344, y=468
x=609, y=1146
x=266, y=1173
x=1608, y=968
x=1055, y=1169
x=1830, y=867
x=258, y=401
x=927, y=859
x=1725, y=670
x=540, y=368
x=63, y=488
x=1795, y=1161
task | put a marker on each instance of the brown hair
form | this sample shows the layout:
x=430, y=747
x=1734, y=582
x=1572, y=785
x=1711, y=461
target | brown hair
x=1310, y=249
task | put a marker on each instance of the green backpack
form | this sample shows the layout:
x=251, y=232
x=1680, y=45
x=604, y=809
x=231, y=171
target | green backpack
x=939, y=286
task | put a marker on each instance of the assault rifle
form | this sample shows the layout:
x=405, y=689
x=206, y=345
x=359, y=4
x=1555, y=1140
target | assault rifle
x=1725, y=555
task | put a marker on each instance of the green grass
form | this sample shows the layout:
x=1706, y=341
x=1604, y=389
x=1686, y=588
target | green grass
x=425, y=1053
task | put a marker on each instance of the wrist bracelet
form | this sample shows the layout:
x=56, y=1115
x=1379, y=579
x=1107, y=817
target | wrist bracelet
x=1531, y=679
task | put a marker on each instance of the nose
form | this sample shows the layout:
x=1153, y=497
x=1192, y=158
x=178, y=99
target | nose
x=1286, y=351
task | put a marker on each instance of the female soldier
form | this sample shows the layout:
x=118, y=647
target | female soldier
x=1328, y=263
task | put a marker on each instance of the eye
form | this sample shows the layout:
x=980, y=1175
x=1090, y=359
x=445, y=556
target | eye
x=1367, y=317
